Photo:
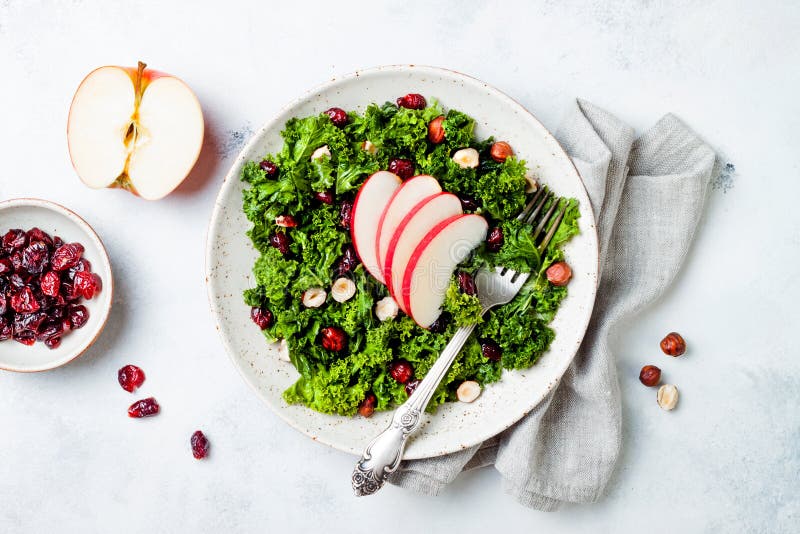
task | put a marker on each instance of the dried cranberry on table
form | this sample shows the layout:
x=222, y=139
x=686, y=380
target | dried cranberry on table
x=130, y=378
x=338, y=116
x=144, y=408
x=403, y=168
x=199, y=444
x=412, y=101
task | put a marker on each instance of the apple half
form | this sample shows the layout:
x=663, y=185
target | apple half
x=370, y=203
x=134, y=128
x=433, y=261
x=415, y=225
x=404, y=199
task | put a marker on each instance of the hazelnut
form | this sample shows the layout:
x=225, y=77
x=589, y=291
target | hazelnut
x=468, y=391
x=386, y=308
x=500, y=151
x=436, y=130
x=343, y=289
x=321, y=152
x=367, y=406
x=673, y=344
x=531, y=184
x=314, y=297
x=369, y=147
x=559, y=273
x=467, y=158
x=667, y=396
x=650, y=375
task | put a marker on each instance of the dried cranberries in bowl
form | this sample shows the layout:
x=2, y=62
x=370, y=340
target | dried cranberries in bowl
x=43, y=281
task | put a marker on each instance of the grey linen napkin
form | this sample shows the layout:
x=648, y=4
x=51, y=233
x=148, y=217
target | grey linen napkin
x=647, y=195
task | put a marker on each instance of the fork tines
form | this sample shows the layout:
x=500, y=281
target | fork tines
x=550, y=221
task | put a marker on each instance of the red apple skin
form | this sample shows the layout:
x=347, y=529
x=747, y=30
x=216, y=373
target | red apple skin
x=383, y=218
x=412, y=262
x=387, y=269
x=148, y=76
x=354, y=218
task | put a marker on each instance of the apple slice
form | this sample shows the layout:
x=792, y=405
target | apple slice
x=414, y=226
x=369, y=205
x=134, y=128
x=404, y=199
x=433, y=261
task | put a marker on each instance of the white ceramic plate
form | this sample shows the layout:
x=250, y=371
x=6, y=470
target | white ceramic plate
x=26, y=213
x=454, y=426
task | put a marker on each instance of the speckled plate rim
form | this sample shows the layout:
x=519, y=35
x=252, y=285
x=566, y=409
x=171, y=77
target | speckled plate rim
x=588, y=228
x=108, y=285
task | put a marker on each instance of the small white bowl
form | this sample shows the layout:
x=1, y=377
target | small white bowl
x=26, y=213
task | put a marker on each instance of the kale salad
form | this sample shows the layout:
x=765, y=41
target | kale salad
x=350, y=358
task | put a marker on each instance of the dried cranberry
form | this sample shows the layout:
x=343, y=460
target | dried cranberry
x=468, y=203
x=346, y=214
x=367, y=406
x=401, y=371
x=82, y=265
x=6, y=330
x=333, y=338
x=403, y=168
x=411, y=386
x=6, y=266
x=491, y=350
x=50, y=329
x=23, y=301
x=285, y=221
x=412, y=101
x=26, y=338
x=261, y=316
x=130, y=378
x=86, y=283
x=338, y=116
x=52, y=342
x=348, y=261
x=440, y=324
x=16, y=261
x=466, y=283
x=50, y=283
x=270, y=169
x=29, y=322
x=67, y=256
x=57, y=241
x=281, y=241
x=199, y=444
x=326, y=197
x=144, y=408
x=16, y=281
x=78, y=315
x=14, y=240
x=3, y=305
x=495, y=240
x=36, y=234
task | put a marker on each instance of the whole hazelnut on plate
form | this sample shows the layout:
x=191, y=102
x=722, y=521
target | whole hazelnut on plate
x=500, y=151
x=667, y=396
x=650, y=375
x=436, y=130
x=559, y=273
x=673, y=344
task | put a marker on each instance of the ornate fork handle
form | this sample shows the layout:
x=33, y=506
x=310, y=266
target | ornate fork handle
x=382, y=456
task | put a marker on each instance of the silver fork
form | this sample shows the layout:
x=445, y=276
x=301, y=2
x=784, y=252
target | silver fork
x=382, y=456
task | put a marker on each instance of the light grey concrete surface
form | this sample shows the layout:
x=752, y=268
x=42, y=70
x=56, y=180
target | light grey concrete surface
x=727, y=460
